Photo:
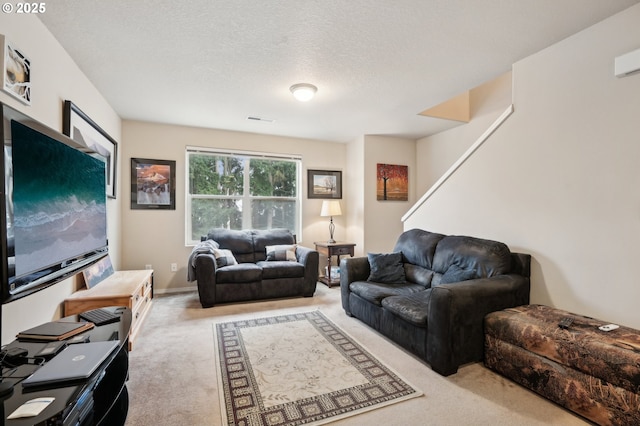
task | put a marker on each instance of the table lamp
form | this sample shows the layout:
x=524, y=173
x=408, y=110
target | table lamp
x=331, y=208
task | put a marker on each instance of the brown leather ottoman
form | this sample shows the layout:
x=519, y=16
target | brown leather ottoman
x=594, y=373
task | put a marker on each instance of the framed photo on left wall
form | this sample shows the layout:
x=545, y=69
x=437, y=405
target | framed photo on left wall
x=79, y=127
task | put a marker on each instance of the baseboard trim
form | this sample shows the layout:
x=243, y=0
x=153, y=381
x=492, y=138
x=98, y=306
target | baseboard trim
x=175, y=290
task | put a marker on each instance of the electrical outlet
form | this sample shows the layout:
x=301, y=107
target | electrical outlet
x=174, y=267
x=148, y=266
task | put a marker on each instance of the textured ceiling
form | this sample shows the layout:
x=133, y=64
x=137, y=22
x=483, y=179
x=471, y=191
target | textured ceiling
x=376, y=63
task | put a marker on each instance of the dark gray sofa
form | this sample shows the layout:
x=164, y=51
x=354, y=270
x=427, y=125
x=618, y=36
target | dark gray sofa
x=253, y=277
x=451, y=283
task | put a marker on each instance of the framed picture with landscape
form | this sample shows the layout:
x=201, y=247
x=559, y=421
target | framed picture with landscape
x=153, y=184
x=324, y=184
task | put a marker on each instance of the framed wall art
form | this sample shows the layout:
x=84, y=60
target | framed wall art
x=324, y=184
x=79, y=127
x=392, y=182
x=16, y=71
x=153, y=184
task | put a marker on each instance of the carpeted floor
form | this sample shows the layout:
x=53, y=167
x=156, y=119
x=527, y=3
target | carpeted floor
x=172, y=377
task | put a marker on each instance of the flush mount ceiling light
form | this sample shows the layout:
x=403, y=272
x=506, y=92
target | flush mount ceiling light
x=303, y=91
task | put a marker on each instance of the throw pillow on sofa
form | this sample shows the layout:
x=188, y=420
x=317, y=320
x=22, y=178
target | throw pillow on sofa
x=224, y=257
x=455, y=274
x=386, y=268
x=282, y=252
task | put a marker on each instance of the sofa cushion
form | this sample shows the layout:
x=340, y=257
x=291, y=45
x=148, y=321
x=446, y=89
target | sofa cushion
x=224, y=257
x=376, y=292
x=239, y=242
x=281, y=252
x=418, y=274
x=418, y=247
x=269, y=237
x=413, y=308
x=386, y=268
x=275, y=269
x=456, y=274
x=239, y=273
x=488, y=258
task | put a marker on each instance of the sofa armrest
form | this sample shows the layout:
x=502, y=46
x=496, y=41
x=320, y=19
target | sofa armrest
x=310, y=259
x=205, y=268
x=456, y=317
x=352, y=269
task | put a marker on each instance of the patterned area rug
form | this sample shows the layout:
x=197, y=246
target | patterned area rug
x=298, y=369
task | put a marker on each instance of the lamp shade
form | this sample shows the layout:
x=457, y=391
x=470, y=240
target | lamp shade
x=331, y=208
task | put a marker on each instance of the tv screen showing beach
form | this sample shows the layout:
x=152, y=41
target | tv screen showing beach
x=59, y=201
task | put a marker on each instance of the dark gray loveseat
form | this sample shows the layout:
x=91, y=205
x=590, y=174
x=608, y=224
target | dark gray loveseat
x=437, y=305
x=253, y=277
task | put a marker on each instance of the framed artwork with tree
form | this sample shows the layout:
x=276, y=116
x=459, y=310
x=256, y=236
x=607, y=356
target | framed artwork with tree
x=392, y=182
x=324, y=184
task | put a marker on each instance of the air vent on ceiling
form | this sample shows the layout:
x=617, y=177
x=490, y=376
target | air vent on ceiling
x=627, y=64
x=264, y=120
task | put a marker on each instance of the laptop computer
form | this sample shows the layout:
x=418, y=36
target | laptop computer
x=75, y=363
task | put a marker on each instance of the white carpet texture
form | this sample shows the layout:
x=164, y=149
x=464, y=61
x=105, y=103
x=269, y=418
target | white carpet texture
x=296, y=369
x=173, y=378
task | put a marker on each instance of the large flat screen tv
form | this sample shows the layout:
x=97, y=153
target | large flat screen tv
x=54, y=220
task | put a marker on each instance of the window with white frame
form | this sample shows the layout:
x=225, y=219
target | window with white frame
x=236, y=190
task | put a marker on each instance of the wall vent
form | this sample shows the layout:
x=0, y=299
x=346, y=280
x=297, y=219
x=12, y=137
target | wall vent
x=628, y=63
x=264, y=120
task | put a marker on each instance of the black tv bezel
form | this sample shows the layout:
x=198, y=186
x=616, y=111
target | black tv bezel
x=51, y=275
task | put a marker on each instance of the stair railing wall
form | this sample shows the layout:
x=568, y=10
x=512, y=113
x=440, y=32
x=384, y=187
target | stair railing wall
x=468, y=153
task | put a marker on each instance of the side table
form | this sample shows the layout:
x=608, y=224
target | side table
x=338, y=249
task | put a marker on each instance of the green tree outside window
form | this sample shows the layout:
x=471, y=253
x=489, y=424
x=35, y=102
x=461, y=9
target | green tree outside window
x=241, y=192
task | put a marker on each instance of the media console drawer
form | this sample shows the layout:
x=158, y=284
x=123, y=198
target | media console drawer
x=133, y=289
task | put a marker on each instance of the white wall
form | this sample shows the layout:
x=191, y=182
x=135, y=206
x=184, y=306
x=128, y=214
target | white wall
x=437, y=153
x=157, y=237
x=355, y=200
x=382, y=219
x=559, y=179
x=55, y=77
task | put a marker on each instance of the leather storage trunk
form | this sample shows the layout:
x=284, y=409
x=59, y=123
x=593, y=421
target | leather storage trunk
x=594, y=373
